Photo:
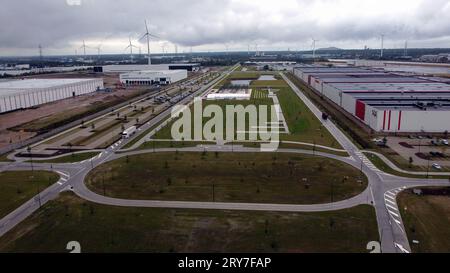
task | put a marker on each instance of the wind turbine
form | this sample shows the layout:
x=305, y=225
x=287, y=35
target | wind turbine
x=382, y=46
x=148, y=35
x=84, y=49
x=314, y=41
x=99, y=49
x=130, y=46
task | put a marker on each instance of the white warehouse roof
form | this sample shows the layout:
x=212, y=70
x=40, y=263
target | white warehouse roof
x=13, y=87
x=39, y=83
x=152, y=73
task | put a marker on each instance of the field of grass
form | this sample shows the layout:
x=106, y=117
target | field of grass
x=18, y=187
x=427, y=219
x=303, y=125
x=166, y=132
x=228, y=177
x=108, y=229
x=70, y=158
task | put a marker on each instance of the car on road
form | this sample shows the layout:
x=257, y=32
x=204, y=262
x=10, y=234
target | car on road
x=444, y=142
x=436, y=166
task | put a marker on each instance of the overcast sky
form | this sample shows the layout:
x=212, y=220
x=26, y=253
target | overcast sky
x=211, y=25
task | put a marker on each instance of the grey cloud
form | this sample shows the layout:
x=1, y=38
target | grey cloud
x=26, y=23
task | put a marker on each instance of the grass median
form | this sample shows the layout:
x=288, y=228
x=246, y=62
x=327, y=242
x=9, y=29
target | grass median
x=20, y=186
x=427, y=218
x=100, y=228
x=228, y=177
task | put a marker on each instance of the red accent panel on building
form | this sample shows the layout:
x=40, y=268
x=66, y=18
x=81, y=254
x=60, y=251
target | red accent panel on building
x=400, y=120
x=389, y=123
x=360, y=111
x=384, y=121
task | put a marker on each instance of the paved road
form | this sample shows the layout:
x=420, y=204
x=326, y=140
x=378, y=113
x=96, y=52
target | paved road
x=384, y=187
x=394, y=167
x=381, y=192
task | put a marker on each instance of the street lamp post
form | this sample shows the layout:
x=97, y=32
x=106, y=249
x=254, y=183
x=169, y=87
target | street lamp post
x=31, y=158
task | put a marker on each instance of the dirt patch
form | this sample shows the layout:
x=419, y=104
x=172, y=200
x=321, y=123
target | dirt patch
x=24, y=124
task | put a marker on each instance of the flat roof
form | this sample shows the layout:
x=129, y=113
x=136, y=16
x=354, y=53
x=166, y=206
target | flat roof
x=39, y=83
x=386, y=90
x=391, y=87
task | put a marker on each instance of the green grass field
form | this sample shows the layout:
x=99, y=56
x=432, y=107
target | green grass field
x=303, y=125
x=18, y=187
x=101, y=228
x=166, y=132
x=427, y=219
x=227, y=177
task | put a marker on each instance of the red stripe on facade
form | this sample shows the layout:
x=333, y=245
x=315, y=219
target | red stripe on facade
x=389, y=123
x=400, y=120
x=384, y=121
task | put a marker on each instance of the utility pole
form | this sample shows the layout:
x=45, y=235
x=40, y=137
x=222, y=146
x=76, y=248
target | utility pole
x=382, y=46
x=31, y=157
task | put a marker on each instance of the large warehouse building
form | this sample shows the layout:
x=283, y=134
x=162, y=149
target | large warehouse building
x=164, y=77
x=385, y=102
x=145, y=67
x=23, y=94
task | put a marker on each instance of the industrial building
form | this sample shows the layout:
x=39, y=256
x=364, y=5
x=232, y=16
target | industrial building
x=163, y=77
x=21, y=94
x=386, y=102
x=145, y=67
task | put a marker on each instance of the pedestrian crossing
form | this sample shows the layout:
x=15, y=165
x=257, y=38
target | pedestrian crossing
x=367, y=161
x=391, y=205
x=64, y=177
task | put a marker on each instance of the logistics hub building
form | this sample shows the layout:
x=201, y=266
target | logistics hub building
x=386, y=102
x=163, y=77
x=21, y=94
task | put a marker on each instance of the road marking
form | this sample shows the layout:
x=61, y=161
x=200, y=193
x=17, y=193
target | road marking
x=392, y=207
x=390, y=197
x=402, y=248
x=392, y=202
x=393, y=213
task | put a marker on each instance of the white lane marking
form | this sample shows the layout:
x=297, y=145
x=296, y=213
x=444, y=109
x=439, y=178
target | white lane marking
x=392, y=198
x=392, y=207
x=393, y=213
x=402, y=248
x=63, y=174
x=392, y=202
x=60, y=183
x=390, y=194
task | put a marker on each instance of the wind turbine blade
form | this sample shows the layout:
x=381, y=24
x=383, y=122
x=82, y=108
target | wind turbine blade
x=143, y=36
x=146, y=27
